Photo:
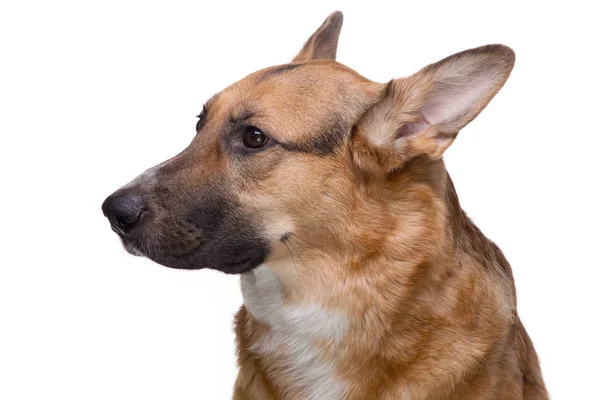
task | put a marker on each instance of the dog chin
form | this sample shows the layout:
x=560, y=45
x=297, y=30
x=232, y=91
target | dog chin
x=131, y=249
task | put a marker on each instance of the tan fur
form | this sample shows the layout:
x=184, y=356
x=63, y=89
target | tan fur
x=374, y=231
x=433, y=297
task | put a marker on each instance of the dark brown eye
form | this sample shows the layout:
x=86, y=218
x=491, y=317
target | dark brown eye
x=201, y=119
x=254, y=138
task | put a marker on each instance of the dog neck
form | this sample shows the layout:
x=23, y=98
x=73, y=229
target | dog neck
x=387, y=295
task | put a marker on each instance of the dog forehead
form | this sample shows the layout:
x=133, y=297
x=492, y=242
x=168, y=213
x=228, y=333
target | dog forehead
x=300, y=100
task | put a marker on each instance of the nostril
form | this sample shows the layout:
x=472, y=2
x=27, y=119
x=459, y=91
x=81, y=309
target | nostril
x=127, y=219
x=123, y=220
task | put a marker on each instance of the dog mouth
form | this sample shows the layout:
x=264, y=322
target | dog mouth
x=205, y=256
x=181, y=235
x=144, y=247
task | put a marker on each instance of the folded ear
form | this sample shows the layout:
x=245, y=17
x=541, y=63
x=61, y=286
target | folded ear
x=422, y=114
x=323, y=43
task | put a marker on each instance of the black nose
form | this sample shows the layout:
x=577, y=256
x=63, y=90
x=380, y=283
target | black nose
x=123, y=211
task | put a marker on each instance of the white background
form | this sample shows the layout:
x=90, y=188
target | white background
x=93, y=93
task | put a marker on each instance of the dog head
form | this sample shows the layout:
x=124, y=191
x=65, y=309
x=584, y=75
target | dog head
x=297, y=150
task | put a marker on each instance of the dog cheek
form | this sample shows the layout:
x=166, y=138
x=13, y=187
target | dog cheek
x=229, y=239
x=242, y=250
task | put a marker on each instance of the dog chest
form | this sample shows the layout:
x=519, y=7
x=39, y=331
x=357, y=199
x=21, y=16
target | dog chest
x=294, y=331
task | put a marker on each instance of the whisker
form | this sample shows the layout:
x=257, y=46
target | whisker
x=297, y=253
x=293, y=259
x=301, y=239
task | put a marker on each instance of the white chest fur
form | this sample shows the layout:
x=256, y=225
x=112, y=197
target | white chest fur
x=294, y=330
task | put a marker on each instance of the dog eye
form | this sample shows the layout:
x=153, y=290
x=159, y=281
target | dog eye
x=201, y=119
x=253, y=138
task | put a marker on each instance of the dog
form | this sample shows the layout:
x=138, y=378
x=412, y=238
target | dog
x=361, y=275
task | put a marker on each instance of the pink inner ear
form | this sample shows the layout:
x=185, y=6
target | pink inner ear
x=452, y=99
x=456, y=96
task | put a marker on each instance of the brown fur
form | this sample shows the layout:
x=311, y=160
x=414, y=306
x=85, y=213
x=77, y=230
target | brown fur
x=350, y=211
x=431, y=300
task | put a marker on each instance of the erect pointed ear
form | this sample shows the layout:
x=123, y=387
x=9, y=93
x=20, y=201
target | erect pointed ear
x=422, y=114
x=323, y=43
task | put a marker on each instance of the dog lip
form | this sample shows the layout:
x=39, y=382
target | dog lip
x=134, y=251
x=117, y=230
x=242, y=265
